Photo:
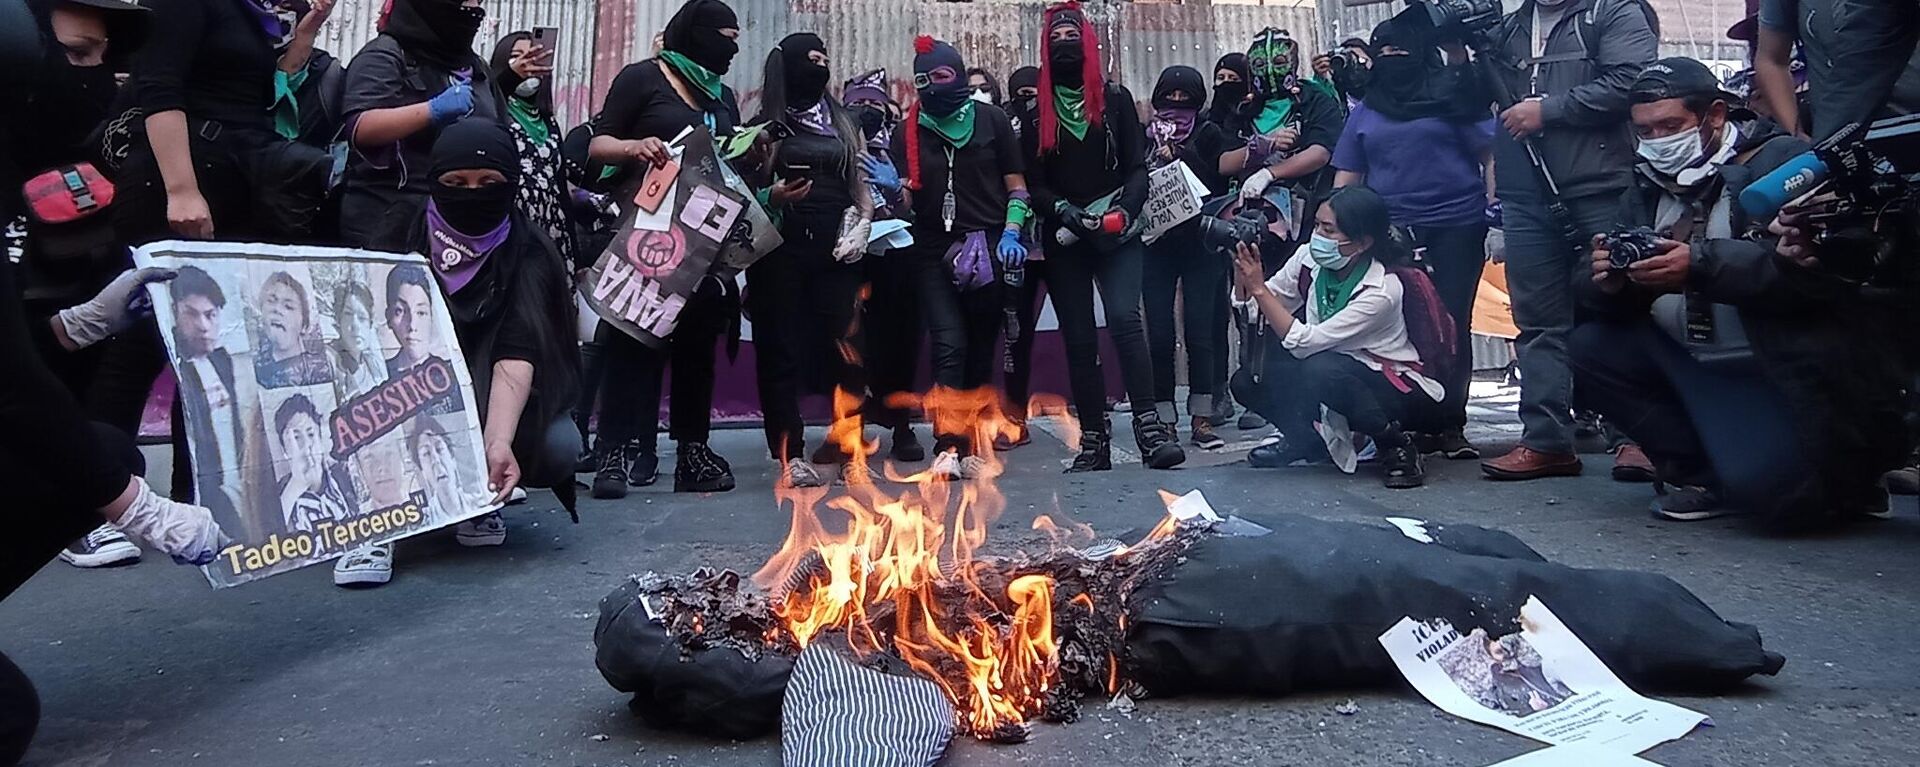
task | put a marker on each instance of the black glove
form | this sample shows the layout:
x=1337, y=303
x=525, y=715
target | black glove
x=1077, y=220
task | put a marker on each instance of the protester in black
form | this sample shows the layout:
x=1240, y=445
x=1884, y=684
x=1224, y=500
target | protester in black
x=650, y=103
x=403, y=87
x=1231, y=89
x=969, y=203
x=1090, y=181
x=804, y=296
x=1023, y=88
x=524, y=70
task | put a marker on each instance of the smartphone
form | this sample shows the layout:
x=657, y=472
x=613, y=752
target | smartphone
x=547, y=37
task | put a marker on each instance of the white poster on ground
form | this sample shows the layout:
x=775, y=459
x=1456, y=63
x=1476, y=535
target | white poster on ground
x=1541, y=682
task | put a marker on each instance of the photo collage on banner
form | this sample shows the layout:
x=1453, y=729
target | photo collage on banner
x=327, y=403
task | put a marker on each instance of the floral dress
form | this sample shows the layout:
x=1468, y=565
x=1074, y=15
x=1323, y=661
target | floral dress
x=539, y=196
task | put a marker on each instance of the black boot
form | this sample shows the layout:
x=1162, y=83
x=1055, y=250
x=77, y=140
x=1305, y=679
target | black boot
x=1159, y=448
x=906, y=445
x=700, y=470
x=616, y=465
x=1096, y=452
x=1400, y=459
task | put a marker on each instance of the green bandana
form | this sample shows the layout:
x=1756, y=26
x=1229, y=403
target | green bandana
x=702, y=78
x=528, y=116
x=1330, y=294
x=1070, y=105
x=1326, y=86
x=286, y=106
x=955, y=129
x=1273, y=115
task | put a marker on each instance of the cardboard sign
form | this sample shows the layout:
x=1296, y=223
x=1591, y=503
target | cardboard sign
x=328, y=406
x=1173, y=198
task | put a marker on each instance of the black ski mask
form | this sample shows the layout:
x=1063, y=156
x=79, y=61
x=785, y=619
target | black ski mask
x=939, y=76
x=475, y=144
x=1067, y=59
x=806, y=81
x=694, y=32
x=1023, y=78
x=1227, y=96
x=439, y=32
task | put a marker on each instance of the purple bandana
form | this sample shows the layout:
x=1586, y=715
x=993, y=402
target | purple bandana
x=458, y=257
x=815, y=120
x=1171, y=126
x=277, y=18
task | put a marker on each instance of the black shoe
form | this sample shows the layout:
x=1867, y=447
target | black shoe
x=643, y=468
x=829, y=454
x=1403, y=466
x=610, y=481
x=907, y=447
x=700, y=470
x=1159, y=448
x=1685, y=503
x=1249, y=421
x=1280, y=455
x=1022, y=436
x=1223, y=411
x=1454, y=446
x=1096, y=453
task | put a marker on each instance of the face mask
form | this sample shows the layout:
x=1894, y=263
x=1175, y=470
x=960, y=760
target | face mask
x=943, y=93
x=872, y=119
x=806, y=84
x=1230, y=93
x=1672, y=154
x=474, y=211
x=981, y=96
x=1067, y=57
x=1325, y=252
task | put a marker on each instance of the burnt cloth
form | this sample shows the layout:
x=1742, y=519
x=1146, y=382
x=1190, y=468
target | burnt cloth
x=715, y=692
x=1328, y=590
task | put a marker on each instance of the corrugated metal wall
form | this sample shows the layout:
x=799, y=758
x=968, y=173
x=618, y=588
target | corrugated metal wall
x=354, y=23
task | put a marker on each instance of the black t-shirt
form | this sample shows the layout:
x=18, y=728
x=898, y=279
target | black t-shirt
x=826, y=162
x=1321, y=122
x=979, y=183
x=208, y=58
x=643, y=104
x=1112, y=156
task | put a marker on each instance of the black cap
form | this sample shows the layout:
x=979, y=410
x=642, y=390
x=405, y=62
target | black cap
x=1675, y=78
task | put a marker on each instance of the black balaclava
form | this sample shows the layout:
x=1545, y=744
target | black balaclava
x=1067, y=60
x=1417, y=84
x=806, y=81
x=439, y=32
x=510, y=81
x=1024, y=77
x=694, y=32
x=940, y=98
x=1180, y=78
x=1227, y=96
x=474, y=144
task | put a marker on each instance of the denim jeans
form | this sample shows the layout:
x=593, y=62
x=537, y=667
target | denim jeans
x=1541, y=268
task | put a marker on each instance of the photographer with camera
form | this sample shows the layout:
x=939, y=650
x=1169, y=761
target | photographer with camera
x=1744, y=376
x=1560, y=165
x=1348, y=68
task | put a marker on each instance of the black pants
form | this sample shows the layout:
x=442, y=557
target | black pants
x=805, y=307
x=630, y=387
x=1455, y=256
x=893, y=327
x=19, y=712
x=962, y=326
x=1726, y=428
x=51, y=510
x=1291, y=390
x=1018, y=366
x=220, y=169
x=1176, y=264
x=547, y=454
x=1072, y=273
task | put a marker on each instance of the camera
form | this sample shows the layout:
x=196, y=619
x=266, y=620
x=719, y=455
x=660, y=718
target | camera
x=1462, y=15
x=1221, y=235
x=1350, y=74
x=1626, y=247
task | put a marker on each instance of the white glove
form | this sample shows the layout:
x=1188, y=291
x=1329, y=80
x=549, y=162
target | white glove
x=114, y=308
x=1256, y=184
x=183, y=530
x=855, y=231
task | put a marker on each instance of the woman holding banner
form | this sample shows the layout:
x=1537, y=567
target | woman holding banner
x=969, y=203
x=650, y=103
x=805, y=294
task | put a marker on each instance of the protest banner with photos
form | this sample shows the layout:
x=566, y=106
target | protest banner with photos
x=1174, y=195
x=328, y=406
x=1541, y=682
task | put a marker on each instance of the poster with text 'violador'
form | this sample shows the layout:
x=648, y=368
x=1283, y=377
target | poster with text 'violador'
x=675, y=220
x=327, y=404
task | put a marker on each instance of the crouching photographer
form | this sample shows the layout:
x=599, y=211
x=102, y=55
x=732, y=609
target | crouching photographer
x=1754, y=384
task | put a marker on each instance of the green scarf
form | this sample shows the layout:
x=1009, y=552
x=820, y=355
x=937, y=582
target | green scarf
x=955, y=129
x=701, y=77
x=1330, y=294
x=1070, y=105
x=1273, y=115
x=286, y=105
x=528, y=115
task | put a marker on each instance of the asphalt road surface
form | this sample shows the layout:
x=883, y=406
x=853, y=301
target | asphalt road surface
x=484, y=657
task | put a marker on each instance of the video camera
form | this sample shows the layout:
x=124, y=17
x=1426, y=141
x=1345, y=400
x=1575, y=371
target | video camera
x=1873, y=172
x=1468, y=17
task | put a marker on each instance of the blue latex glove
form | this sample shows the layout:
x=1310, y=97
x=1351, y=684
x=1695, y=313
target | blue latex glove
x=882, y=173
x=453, y=103
x=1011, y=252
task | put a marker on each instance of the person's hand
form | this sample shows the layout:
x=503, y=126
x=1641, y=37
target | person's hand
x=503, y=470
x=1247, y=271
x=789, y=191
x=882, y=173
x=1796, y=237
x=1285, y=138
x=1256, y=184
x=651, y=151
x=536, y=62
x=188, y=215
x=1164, y=152
x=1611, y=282
x=1076, y=219
x=1011, y=251
x=1323, y=65
x=184, y=531
x=453, y=103
x=1666, y=272
x=1523, y=119
x=315, y=18
x=855, y=234
x=114, y=309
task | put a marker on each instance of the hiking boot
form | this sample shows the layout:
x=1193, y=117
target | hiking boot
x=616, y=461
x=1685, y=503
x=1524, y=463
x=1453, y=445
x=799, y=473
x=1249, y=420
x=1402, y=466
x=1022, y=435
x=102, y=547
x=1096, y=453
x=906, y=446
x=1203, y=436
x=1159, y=447
x=700, y=470
x=1630, y=464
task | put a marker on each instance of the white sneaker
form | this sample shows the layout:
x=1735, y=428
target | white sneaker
x=368, y=566
x=946, y=466
x=103, y=547
x=975, y=467
x=485, y=530
x=800, y=473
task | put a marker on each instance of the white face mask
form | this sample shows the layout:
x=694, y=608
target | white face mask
x=1671, y=154
x=981, y=96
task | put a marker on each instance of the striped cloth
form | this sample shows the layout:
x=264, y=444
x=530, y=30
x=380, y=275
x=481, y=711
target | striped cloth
x=840, y=714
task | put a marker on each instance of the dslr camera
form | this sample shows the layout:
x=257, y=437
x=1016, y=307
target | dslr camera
x=1221, y=235
x=1626, y=247
x=1467, y=17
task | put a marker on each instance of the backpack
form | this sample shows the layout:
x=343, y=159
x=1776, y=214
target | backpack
x=1430, y=327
